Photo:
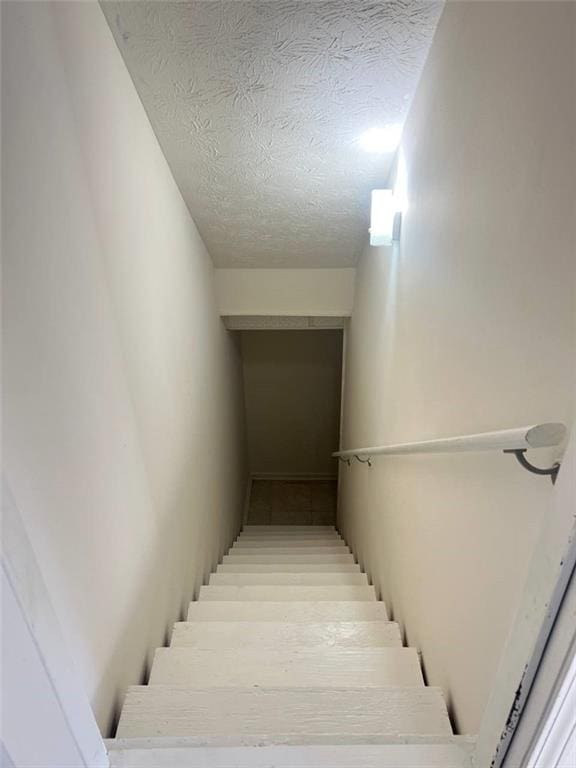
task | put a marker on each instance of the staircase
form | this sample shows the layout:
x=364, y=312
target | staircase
x=287, y=660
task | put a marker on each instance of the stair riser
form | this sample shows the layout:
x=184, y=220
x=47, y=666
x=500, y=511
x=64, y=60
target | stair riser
x=288, y=568
x=283, y=715
x=300, y=613
x=283, y=558
x=273, y=533
x=366, y=668
x=287, y=593
x=284, y=549
x=288, y=579
x=288, y=528
x=291, y=544
x=282, y=593
x=425, y=755
x=285, y=635
x=289, y=536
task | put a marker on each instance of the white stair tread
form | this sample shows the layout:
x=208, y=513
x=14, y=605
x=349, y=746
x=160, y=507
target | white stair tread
x=283, y=544
x=303, y=579
x=288, y=528
x=284, y=549
x=292, y=541
x=282, y=715
x=232, y=567
x=273, y=530
x=286, y=635
x=310, y=557
x=301, y=668
x=287, y=593
x=290, y=537
x=301, y=612
x=406, y=752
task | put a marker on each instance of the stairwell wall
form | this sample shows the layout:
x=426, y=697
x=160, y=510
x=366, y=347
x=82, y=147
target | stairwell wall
x=124, y=443
x=467, y=326
x=292, y=385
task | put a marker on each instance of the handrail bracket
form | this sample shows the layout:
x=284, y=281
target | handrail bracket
x=552, y=471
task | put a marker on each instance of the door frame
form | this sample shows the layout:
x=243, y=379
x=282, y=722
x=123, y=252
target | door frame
x=45, y=706
x=546, y=733
x=505, y=734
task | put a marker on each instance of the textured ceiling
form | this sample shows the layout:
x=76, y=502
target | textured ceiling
x=258, y=107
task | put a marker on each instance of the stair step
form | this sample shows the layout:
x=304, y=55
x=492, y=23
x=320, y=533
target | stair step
x=233, y=567
x=282, y=716
x=278, y=594
x=302, y=579
x=276, y=530
x=288, y=528
x=286, y=635
x=287, y=660
x=310, y=557
x=300, y=612
x=301, y=668
x=290, y=541
x=286, y=536
x=406, y=752
x=283, y=544
x=285, y=549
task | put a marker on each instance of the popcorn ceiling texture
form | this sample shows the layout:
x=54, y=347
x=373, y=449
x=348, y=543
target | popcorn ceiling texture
x=258, y=105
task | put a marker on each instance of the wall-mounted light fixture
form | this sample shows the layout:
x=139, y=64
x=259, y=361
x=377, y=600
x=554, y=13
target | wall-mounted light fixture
x=381, y=140
x=385, y=218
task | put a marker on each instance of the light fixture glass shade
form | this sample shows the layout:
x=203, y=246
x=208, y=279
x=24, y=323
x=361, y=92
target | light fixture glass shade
x=382, y=140
x=382, y=214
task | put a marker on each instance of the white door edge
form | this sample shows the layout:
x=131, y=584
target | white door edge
x=534, y=626
x=45, y=704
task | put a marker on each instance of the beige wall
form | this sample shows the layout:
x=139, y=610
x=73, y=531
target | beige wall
x=468, y=326
x=123, y=432
x=300, y=292
x=292, y=384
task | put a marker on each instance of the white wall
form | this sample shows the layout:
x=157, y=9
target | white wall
x=123, y=427
x=42, y=693
x=314, y=292
x=292, y=384
x=468, y=326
